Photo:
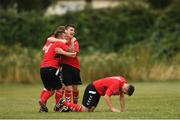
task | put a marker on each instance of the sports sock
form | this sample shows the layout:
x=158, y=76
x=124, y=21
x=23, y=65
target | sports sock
x=42, y=92
x=68, y=95
x=46, y=95
x=58, y=95
x=75, y=96
x=74, y=107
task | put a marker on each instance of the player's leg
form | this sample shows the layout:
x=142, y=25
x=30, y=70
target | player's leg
x=75, y=94
x=57, y=86
x=91, y=109
x=45, y=95
x=64, y=106
x=47, y=75
x=90, y=101
x=76, y=81
x=90, y=98
x=63, y=89
x=67, y=80
x=58, y=95
x=68, y=93
x=71, y=79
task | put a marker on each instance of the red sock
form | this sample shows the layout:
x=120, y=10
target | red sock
x=42, y=92
x=74, y=107
x=68, y=94
x=58, y=95
x=46, y=95
x=75, y=96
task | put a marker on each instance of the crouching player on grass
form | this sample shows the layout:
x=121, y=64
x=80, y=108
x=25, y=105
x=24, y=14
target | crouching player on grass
x=103, y=87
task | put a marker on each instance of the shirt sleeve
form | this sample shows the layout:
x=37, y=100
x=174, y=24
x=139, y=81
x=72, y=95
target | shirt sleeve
x=76, y=46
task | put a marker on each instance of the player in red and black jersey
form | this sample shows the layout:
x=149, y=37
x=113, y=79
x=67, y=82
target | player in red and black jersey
x=48, y=69
x=103, y=87
x=71, y=67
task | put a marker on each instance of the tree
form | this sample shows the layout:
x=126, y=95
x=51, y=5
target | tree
x=88, y=4
x=26, y=5
x=4, y=4
x=160, y=4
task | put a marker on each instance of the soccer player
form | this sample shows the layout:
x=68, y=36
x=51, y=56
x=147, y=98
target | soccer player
x=103, y=87
x=48, y=69
x=52, y=38
x=71, y=68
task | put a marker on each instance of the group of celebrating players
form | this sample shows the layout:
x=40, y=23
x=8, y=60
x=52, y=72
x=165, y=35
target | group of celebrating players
x=60, y=74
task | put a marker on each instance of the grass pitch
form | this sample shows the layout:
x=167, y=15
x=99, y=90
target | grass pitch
x=151, y=100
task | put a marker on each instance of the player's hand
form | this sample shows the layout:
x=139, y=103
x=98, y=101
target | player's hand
x=73, y=54
x=59, y=51
x=114, y=110
x=73, y=39
x=45, y=48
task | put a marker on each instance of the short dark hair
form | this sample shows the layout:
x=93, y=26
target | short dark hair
x=59, y=31
x=70, y=25
x=130, y=90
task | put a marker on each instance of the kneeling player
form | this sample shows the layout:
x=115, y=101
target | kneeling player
x=103, y=87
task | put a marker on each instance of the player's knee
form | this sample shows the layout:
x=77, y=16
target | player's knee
x=68, y=88
x=75, y=87
x=45, y=89
x=91, y=109
x=85, y=109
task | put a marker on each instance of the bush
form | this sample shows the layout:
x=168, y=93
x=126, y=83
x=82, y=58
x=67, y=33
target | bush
x=160, y=4
x=165, y=36
x=19, y=64
x=114, y=28
x=131, y=40
x=105, y=29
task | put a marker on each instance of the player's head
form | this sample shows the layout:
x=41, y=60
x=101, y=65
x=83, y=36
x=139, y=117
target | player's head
x=128, y=89
x=70, y=30
x=60, y=31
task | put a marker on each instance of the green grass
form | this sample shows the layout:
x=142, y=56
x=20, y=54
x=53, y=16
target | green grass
x=151, y=100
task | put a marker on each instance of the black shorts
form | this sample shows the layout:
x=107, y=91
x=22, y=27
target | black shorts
x=49, y=78
x=91, y=97
x=70, y=75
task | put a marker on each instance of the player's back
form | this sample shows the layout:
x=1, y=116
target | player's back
x=49, y=59
x=103, y=84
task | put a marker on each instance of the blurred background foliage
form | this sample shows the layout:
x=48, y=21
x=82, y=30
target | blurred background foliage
x=139, y=39
x=26, y=5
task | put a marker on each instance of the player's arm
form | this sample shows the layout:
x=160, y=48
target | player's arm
x=53, y=39
x=122, y=103
x=109, y=103
x=44, y=48
x=72, y=47
x=62, y=52
x=70, y=51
